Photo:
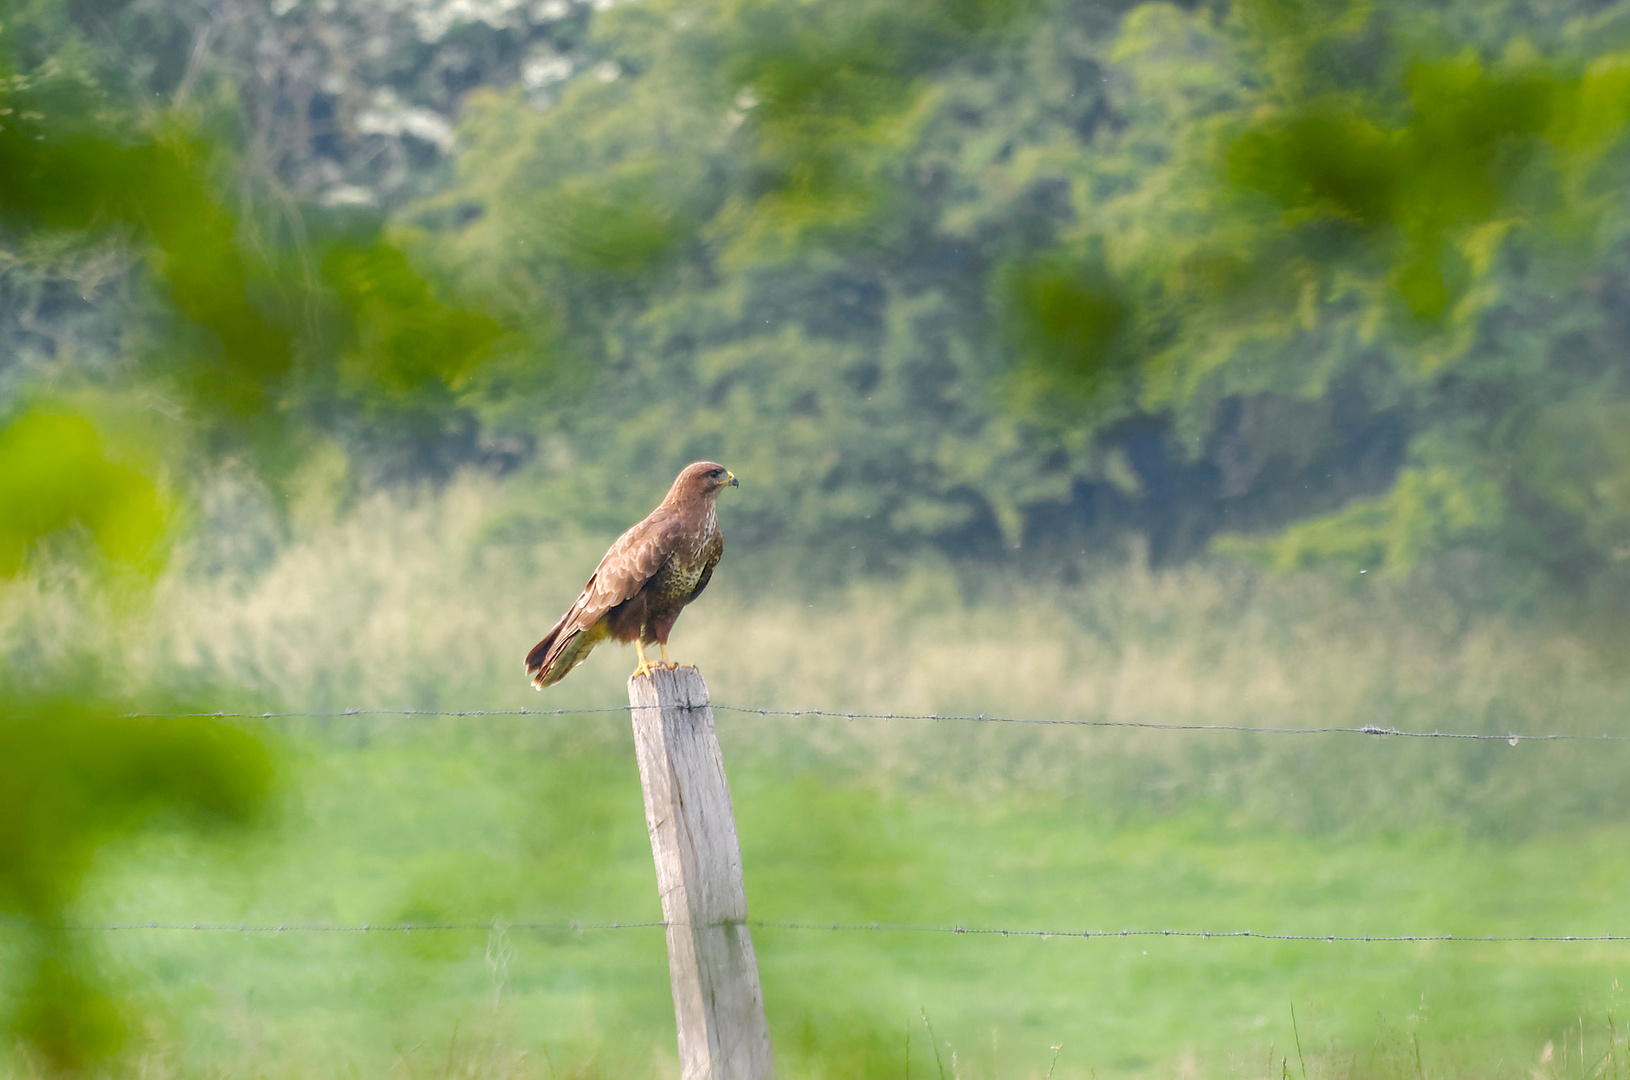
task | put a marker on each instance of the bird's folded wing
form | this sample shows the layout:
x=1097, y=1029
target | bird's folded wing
x=632, y=561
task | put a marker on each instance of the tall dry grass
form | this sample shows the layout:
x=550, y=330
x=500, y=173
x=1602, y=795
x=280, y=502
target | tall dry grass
x=430, y=600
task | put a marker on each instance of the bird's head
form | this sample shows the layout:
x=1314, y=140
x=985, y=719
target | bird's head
x=701, y=479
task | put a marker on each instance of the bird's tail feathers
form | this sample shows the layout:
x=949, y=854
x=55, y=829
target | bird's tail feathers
x=558, y=652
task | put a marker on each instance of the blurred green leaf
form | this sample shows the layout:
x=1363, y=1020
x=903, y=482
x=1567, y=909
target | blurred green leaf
x=56, y=475
x=75, y=776
x=252, y=330
x=1459, y=153
x=403, y=337
x=63, y=175
x=1073, y=328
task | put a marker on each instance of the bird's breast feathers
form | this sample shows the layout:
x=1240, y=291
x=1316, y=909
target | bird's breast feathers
x=692, y=558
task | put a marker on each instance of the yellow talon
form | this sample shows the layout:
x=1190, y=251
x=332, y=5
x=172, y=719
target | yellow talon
x=669, y=664
x=645, y=663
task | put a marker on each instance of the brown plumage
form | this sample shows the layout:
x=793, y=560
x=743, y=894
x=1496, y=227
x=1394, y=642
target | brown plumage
x=645, y=580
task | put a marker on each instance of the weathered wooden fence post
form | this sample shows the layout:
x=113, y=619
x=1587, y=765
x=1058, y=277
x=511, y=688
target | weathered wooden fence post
x=717, y=1001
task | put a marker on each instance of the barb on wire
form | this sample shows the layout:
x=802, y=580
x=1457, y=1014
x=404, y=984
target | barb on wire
x=577, y=926
x=1510, y=737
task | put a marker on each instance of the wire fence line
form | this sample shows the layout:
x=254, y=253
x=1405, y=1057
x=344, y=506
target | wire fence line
x=578, y=927
x=1511, y=737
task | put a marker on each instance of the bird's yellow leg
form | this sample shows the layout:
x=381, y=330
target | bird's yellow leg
x=645, y=663
x=669, y=664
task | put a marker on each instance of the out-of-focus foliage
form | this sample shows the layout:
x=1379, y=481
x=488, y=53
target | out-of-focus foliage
x=1051, y=273
x=1448, y=229
x=240, y=331
x=401, y=337
x=953, y=274
x=56, y=474
x=76, y=775
x=344, y=105
x=1427, y=510
x=965, y=275
x=787, y=301
x=250, y=339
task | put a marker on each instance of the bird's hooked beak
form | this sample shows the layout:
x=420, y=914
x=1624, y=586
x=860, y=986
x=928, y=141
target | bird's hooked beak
x=732, y=482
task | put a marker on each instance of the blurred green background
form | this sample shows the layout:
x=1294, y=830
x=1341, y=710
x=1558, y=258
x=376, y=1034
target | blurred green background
x=1257, y=363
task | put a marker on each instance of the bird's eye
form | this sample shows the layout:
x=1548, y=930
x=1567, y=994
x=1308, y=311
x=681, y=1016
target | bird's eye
x=715, y=473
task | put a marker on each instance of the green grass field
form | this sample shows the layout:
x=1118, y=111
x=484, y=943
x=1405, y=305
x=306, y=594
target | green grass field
x=461, y=825
x=507, y=819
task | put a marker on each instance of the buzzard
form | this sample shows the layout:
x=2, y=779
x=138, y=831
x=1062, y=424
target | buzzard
x=645, y=580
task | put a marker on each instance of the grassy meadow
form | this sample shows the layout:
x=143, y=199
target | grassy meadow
x=430, y=601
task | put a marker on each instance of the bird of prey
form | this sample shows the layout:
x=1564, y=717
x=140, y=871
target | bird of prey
x=644, y=581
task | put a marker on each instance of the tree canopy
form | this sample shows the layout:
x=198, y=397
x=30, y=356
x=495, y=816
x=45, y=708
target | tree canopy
x=1326, y=281
x=1332, y=281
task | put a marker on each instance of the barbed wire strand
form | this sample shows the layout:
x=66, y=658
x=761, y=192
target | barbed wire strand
x=338, y=713
x=576, y=926
x=1510, y=737
x=356, y=928
x=1367, y=729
